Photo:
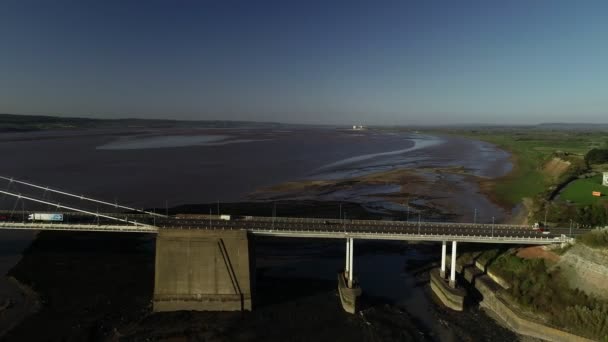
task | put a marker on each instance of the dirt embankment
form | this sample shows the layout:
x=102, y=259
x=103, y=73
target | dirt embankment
x=556, y=167
x=538, y=252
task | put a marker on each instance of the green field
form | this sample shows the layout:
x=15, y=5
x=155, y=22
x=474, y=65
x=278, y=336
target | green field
x=580, y=190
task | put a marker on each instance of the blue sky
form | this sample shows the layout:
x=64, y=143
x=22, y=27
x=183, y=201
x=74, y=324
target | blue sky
x=373, y=62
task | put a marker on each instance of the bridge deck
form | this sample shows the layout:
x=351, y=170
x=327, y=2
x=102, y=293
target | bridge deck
x=320, y=228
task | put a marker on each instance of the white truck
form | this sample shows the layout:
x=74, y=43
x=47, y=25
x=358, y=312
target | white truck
x=45, y=217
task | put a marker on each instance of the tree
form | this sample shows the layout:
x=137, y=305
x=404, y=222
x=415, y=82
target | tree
x=592, y=215
x=596, y=156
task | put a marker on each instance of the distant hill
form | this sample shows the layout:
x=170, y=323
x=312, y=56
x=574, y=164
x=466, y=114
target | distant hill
x=581, y=127
x=25, y=123
x=573, y=126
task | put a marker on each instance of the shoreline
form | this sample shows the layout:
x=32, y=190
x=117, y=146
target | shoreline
x=487, y=187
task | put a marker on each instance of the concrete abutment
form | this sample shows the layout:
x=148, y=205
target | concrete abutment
x=203, y=270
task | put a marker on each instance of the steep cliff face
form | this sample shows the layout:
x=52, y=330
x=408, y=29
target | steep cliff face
x=555, y=167
x=586, y=269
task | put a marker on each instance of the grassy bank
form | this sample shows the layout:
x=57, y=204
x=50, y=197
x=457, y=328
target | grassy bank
x=531, y=150
x=580, y=191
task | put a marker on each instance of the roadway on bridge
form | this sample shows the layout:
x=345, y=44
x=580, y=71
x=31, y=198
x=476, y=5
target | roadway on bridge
x=320, y=228
x=285, y=226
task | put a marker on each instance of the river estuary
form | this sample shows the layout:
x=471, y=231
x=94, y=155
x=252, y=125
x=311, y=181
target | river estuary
x=167, y=167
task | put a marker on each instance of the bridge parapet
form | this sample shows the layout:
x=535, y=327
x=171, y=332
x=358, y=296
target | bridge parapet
x=120, y=228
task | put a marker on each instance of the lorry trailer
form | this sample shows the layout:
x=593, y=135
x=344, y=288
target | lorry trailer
x=45, y=217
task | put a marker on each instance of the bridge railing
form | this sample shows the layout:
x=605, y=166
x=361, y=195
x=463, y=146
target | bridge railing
x=336, y=221
x=306, y=230
x=262, y=229
x=78, y=227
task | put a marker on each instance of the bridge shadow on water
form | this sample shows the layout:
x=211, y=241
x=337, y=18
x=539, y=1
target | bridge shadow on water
x=98, y=286
x=87, y=282
x=272, y=290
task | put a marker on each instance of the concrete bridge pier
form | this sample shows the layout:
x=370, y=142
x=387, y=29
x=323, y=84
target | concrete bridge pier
x=453, y=268
x=446, y=291
x=347, y=264
x=203, y=270
x=351, y=269
x=443, y=250
x=347, y=287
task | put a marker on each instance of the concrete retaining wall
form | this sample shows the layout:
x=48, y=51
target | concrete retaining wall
x=490, y=286
x=451, y=298
x=497, y=279
x=202, y=270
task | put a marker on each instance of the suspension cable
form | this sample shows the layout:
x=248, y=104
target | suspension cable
x=116, y=205
x=19, y=196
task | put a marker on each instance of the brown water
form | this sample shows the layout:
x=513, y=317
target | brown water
x=133, y=167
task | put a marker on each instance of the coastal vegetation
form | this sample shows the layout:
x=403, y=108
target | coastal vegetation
x=555, y=172
x=595, y=238
x=540, y=288
x=532, y=150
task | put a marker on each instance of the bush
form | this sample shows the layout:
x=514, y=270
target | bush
x=595, y=238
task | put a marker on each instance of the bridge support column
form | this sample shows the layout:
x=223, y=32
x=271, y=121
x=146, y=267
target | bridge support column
x=351, y=269
x=443, y=250
x=347, y=258
x=348, y=290
x=453, y=268
x=202, y=270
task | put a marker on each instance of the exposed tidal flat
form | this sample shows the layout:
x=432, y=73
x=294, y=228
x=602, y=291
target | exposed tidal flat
x=98, y=286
